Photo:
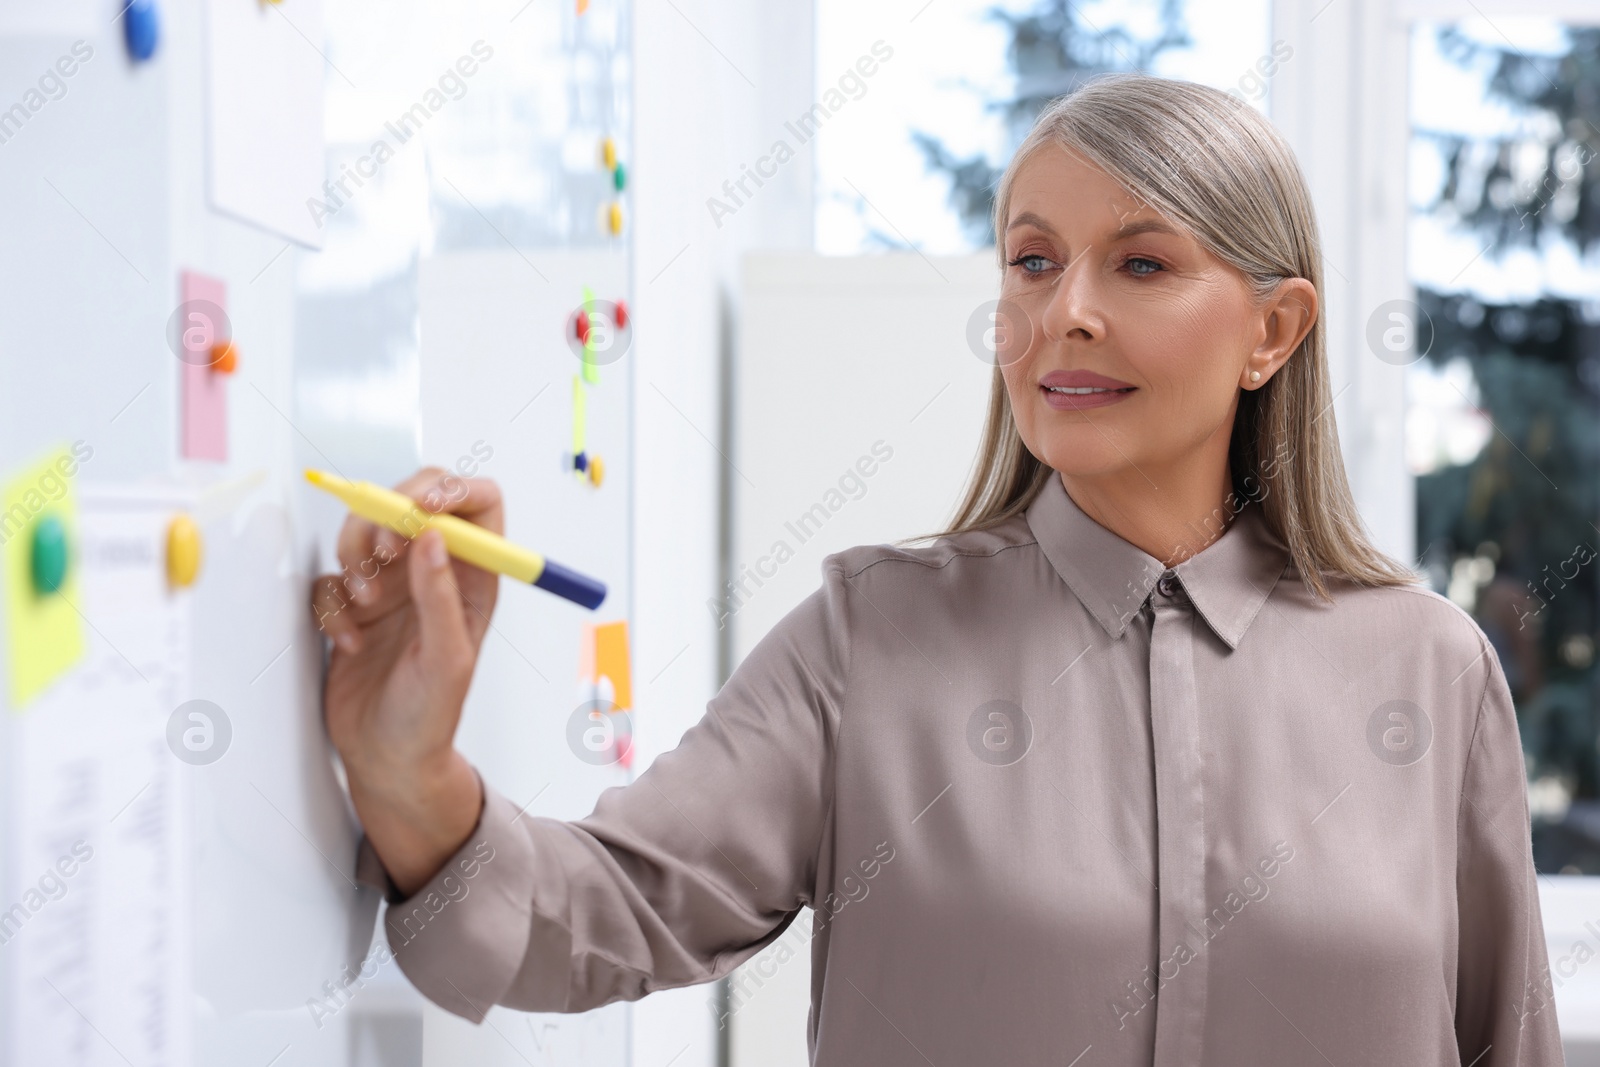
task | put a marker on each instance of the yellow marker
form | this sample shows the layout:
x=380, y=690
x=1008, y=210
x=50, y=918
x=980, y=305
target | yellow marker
x=464, y=540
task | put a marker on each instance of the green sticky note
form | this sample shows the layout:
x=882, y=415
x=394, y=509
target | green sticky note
x=38, y=537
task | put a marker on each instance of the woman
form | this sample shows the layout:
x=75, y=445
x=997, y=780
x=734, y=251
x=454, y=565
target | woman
x=1151, y=759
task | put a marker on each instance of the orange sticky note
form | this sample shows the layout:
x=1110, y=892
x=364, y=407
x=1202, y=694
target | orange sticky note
x=611, y=660
x=604, y=672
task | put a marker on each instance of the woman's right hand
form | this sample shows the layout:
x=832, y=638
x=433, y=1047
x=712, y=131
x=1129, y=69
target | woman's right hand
x=407, y=622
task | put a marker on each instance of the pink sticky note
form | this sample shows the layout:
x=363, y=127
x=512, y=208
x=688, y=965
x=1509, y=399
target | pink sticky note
x=205, y=396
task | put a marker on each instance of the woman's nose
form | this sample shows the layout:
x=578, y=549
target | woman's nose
x=1073, y=307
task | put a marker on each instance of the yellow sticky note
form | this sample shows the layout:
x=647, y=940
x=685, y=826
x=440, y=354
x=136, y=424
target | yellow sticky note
x=611, y=660
x=44, y=632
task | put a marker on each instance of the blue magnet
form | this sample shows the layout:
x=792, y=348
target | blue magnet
x=142, y=28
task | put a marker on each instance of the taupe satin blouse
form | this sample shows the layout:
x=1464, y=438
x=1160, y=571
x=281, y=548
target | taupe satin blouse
x=1054, y=805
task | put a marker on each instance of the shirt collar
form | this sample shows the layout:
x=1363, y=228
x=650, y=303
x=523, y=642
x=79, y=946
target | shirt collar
x=1228, y=581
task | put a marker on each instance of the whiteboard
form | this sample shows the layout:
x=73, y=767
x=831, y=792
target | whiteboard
x=497, y=374
x=372, y=356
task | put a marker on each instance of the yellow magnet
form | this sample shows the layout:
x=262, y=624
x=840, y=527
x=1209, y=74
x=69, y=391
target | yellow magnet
x=183, y=551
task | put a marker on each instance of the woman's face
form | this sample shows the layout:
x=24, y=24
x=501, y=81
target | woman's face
x=1115, y=296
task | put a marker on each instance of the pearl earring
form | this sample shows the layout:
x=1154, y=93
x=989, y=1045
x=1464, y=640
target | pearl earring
x=1255, y=376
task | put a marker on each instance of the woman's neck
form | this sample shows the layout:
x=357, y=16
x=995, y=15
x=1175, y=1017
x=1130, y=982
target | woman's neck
x=1170, y=515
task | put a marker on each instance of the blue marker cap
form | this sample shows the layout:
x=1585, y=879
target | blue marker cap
x=576, y=587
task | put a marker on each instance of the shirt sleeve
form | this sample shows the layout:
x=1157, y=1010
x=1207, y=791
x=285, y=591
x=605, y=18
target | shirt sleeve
x=1505, y=1011
x=673, y=879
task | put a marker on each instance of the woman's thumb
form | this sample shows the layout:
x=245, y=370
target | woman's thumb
x=446, y=648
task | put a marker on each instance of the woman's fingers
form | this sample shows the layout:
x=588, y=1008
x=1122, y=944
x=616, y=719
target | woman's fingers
x=388, y=545
x=360, y=558
x=366, y=550
x=334, y=613
x=447, y=650
x=376, y=576
x=477, y=500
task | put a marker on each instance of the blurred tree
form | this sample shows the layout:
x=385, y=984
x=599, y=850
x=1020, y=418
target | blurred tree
x=1515, y=189
x=1053, y=48
x=1528, y=502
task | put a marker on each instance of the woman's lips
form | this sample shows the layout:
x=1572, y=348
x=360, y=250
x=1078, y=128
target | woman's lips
x=1063, y=401
x=1079, y=389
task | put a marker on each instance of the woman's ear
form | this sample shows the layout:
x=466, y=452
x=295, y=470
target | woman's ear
x=1286, y=318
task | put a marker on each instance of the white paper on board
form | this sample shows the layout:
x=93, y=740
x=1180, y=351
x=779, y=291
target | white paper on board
x=264, y=121
x=93, y=911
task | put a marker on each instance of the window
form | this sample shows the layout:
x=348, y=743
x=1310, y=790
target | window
x=1503, y=395
x=910, y=159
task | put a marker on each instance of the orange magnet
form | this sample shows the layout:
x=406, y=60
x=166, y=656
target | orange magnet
x=224, y=357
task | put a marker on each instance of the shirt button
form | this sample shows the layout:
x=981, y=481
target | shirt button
x=1167, y=584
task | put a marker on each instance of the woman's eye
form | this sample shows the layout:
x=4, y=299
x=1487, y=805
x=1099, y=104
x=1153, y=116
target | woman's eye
x=1025, y=261
x=1142, y=273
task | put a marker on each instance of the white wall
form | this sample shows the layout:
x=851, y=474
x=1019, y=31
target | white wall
x=839, y=354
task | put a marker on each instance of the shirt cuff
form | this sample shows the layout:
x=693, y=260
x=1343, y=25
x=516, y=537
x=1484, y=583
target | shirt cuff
x=462, y=937
x=370, y=871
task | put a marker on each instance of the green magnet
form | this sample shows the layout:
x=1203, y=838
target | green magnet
x=619, y=177
x=49, y=557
